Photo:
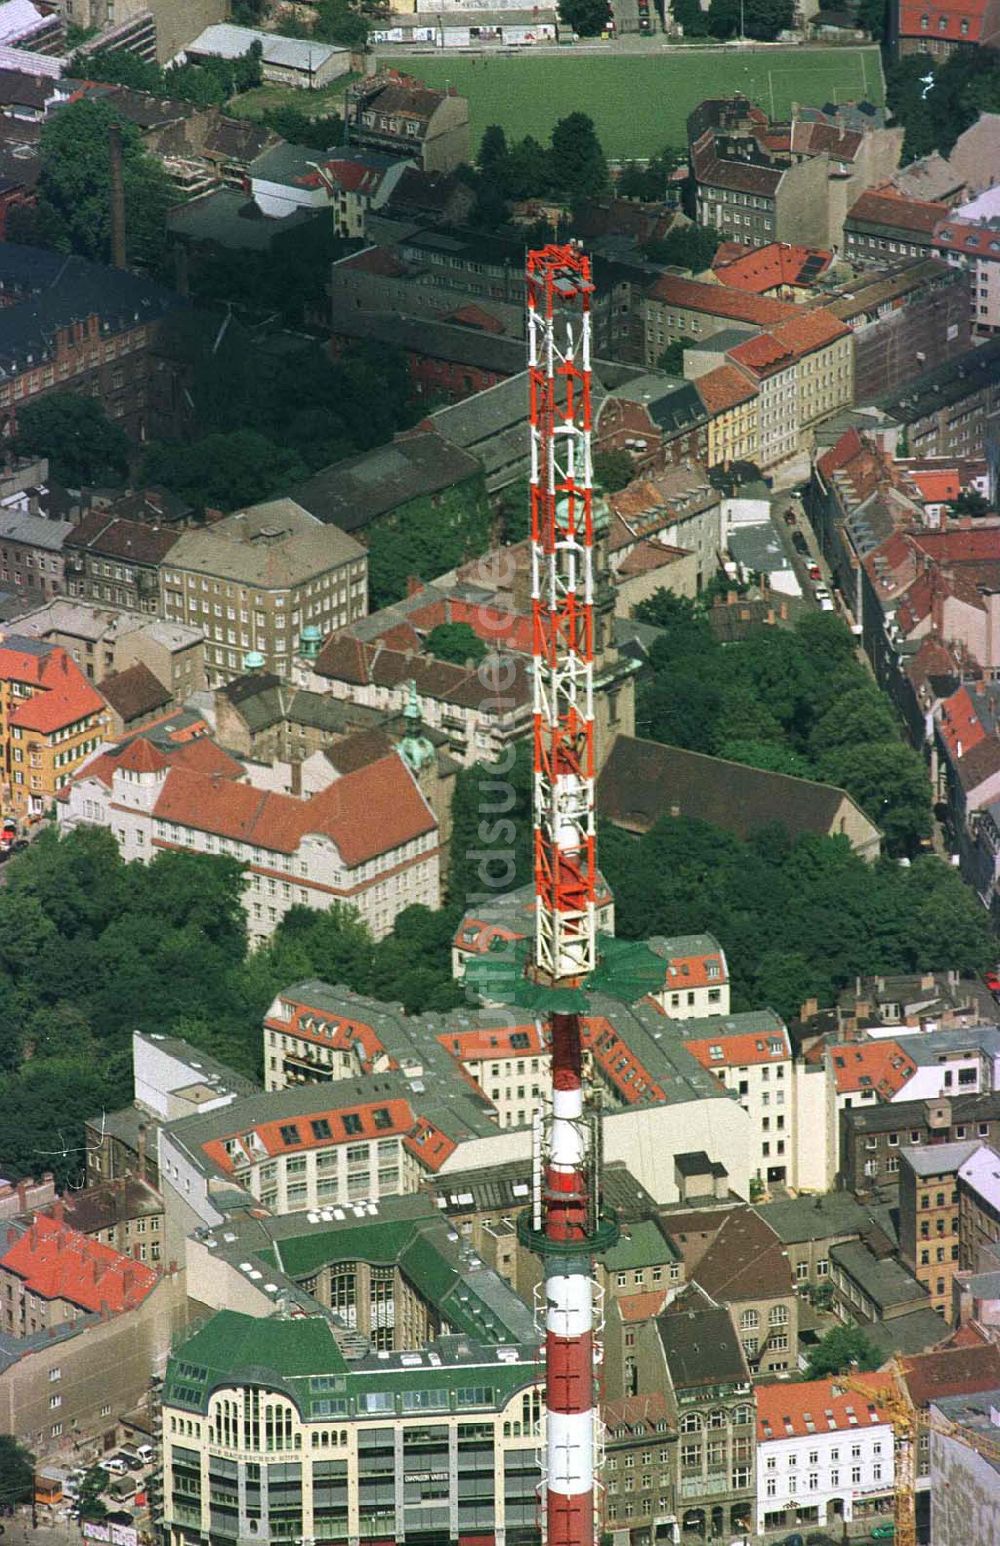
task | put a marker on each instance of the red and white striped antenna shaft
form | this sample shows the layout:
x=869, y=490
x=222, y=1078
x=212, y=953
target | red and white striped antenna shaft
x=562, y=590
x=559, y=290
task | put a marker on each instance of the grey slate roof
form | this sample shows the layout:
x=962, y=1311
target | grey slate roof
x=45, y=291
x=275, y=544
x=798, y=1219
x=886, y=1282
x=701, y=1348
x=34, y=530
x=353, y=493
x=643, y=781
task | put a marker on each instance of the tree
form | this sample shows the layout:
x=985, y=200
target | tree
x=17, y=1472
x=889, y=782
x=457, y=642
x=298, y=128
x=224, y=472
x=491, y=829
x=514, y=512
x=74, y=186
x=337, y=21
x=842, y=1348
x=613, y=470
x=577, y=163
x=760, y=19
x=770, y=755
x=688, y=246
x=587, y=18
x=426, y=541
x=970, y=502
x=671, y=361
x=82, y=445
x=491, y=157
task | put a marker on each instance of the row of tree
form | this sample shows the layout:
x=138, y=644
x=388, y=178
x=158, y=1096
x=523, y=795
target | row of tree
x=92, y=948
x=207, y=83
x=761, y=20
x=792, y=700
x=572, y=166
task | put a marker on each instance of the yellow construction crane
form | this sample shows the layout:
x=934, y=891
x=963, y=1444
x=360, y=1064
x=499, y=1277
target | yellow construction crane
x=893, y=1401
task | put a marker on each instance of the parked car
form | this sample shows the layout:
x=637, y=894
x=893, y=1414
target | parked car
x=992, y=981
x=115, y=1464
x=886, y=1532
x=795, y=1539
x=800, y=544
x=146, y=1453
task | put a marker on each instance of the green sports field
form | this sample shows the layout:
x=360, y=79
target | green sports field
x=639, y=102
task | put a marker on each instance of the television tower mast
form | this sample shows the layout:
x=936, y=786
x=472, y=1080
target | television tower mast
x=566, y=1227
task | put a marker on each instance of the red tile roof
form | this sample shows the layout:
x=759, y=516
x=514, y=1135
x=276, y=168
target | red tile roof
x=887, y=206
x=816, y=1406
x=944, y=21
x=742, y=1050
x=367, y=812
x=966, y=236
x=495, y=1042
x=881, y=1066
x=767, y=268
x=951, y=1372
x=633, y=1308
x=323, y=1029
x=724, y=388
x=960, y=725
x=718, y=300
x=63, y=694
x=937, y=486
x=56, y=1262
x=763, y=355
x=810, y=330
x=326, y=1125
x=139, y=755
x=961, y=544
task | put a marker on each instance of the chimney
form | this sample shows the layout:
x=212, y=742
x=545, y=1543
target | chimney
x=117, y=196
x=414, y=585
x=58, y=1210
x=140, y=1167
x=295, y=769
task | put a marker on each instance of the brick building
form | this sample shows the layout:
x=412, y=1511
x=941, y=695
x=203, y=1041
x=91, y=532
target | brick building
x=907, y=320
x=928, y=1215
x=883, y=225
x=944, y=411
x=871, y=1136
x=658, y=420
x=445, y=360
x=67, y=324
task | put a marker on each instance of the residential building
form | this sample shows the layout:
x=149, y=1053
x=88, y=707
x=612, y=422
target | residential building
x=52, y=720
x=645, y=780
x=963, y=1368
x=111, y=559
x=908, y=319
x=872, y=1135
x=639, y=1469
x=72, y=325
x=884, y=225
x=773, y=369
x=732, y=402
x=256, y=580
x=126, y=1215
x=31, y=553
x=758, y=182
x=808, y=1226
x=26, y=1195
x=660, y=421
x=757, y=1067
x=745, y=1268
x=965, y=1468
x=874, y=1289
x=803, y=371
x=784, y=270
x=85, y=1329
x=944, y=411
x=305, y=63
x=978, y=1207
x=689, y=310
x=261, y=717
x=678, y=509
x=974, y=245
x=944, y=27
x=928, y=1215
x=134, y=698
x=368, y=839
x=824, y=1456
x=173, y=652
x=398, y=114
x=351, y=184
x=695, y=1358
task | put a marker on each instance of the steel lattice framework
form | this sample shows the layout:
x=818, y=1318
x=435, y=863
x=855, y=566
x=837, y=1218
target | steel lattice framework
x=562, y=575
x=566, y=1227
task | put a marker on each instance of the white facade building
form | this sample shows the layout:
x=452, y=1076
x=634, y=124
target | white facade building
x=824, y=1454
x=369, y=839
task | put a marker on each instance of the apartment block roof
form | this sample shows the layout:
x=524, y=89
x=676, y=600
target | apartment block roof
x=886, y=1282
x=761, y=269
x=899, y=1116
x=941, y=1159
x=34, y=530
x=951, y=1371
x=147, y=752
x=881, y=1066
x=742, y=1050
x=56, y=1262
x=886, y=208
x=135, y=692
x=372, y=811
x=981, y=1173
x=62, y=695
x=718, y=300
x=103, y=1207
x=702, y=1349
x=786, y=1411
x=798, y=1219
x=724, y=388
x=273, y=546
x=745, y=1260
x=111, y=536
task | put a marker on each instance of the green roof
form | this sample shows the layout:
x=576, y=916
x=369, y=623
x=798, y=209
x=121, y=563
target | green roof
x=230, y=1345
x=640, y=1245
x=627, y=970
x=376, y=1241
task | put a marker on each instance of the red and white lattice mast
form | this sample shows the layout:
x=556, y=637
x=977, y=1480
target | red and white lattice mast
x=566, y=1227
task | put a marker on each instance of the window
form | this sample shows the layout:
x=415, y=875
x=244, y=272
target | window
x=289, y=1133
x=749, y=1320
x=54, y=1401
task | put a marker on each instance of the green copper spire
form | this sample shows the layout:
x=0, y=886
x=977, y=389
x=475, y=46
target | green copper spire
x=415, y=749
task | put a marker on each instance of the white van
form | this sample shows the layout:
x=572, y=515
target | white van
x=146, y=1453
x=116, y=1465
